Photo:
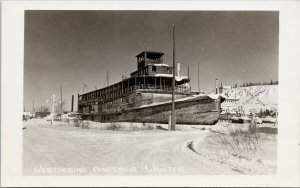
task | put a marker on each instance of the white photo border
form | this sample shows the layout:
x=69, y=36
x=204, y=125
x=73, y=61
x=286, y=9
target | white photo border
x=12, y=54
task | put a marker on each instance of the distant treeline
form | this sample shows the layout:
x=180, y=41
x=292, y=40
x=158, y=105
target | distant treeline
x=266, y=112
x=257, y=84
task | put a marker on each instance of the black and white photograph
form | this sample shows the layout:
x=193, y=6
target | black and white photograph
x=150, y=92
x=147, y=93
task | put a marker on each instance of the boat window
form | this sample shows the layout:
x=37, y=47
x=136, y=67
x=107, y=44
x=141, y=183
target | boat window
x=154, y=69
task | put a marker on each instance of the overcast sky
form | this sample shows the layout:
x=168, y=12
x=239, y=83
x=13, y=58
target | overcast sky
x=75, y=47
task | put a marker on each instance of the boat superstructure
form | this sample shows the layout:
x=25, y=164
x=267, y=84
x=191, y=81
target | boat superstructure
x=146, y=95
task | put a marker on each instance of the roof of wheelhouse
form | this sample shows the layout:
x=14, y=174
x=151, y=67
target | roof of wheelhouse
x=149, y=52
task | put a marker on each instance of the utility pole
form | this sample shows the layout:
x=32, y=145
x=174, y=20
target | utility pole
x=61, y=104
x=173, y=123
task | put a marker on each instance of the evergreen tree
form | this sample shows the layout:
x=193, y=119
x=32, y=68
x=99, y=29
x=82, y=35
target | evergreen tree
x=267, y=112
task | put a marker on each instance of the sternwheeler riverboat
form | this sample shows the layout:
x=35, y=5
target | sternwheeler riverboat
x=146, y=96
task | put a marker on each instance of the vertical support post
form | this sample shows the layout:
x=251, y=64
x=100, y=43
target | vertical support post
x=154, y=82
x=188, y=72
x=159, y=82
x=173, y=84
x=128, y=84
x=72, y=103
x=109, y=92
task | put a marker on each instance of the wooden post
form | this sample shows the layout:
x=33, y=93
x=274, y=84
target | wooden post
x=112, y=92
x=128, y=85
x=173, y=84
x=154, y=82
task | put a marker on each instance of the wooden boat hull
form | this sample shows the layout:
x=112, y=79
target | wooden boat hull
x=199, y=110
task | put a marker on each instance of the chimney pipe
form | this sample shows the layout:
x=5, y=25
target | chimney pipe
x=216, y=85
x=178, y=69
x=72, y=103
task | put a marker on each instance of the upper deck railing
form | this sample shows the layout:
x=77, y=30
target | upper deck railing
x=149, y=88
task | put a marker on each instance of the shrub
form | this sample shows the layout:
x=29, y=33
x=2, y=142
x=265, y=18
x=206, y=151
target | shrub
x=76, y=123
x=82, y=124
x=238, y=138
x=148, y=126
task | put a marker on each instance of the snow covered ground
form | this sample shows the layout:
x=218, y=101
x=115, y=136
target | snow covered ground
x=60, y=149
